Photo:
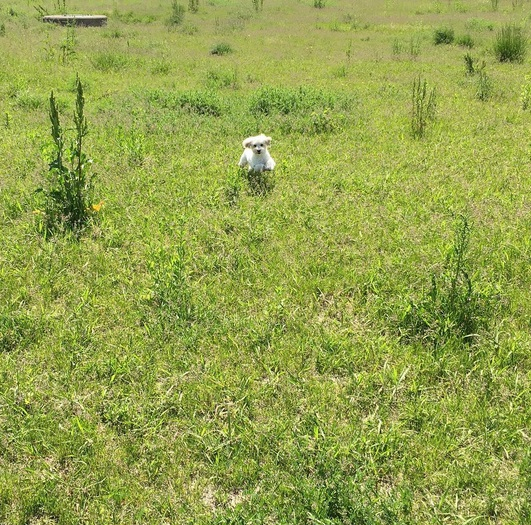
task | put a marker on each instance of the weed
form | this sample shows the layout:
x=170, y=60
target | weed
x=70, y=188
x=67, y=47
x=319, y=4
x=348, y=52
x=322, y=122
x=193, y=6
x=270, y=100
x=161, y=67
x=222, y=79
x=479, y=24
x=60, y=6
x=114, y=33
x=25, y=99
x=494, y=4
x=525, y=94
x=2, y=29
x=453, y=308
x=176, y=17
x=132, y=143
x=397, y=47
x=466, y=41
x=17, y=329
x=232, y=188
x=443, y=35
x=258, y=5
x=414, y=47
x=484, y=87
x=109, y=61
x=199, y=102
x=223, y=48
x=510, y=44
x=471, y=64
x=423, y=107
x=170, y=291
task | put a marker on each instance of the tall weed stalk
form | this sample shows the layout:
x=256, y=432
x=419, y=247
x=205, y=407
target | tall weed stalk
x=453, y=308
x=70, y=182
x=423, y=107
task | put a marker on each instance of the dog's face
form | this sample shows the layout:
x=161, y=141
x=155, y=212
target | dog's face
x=258, y=144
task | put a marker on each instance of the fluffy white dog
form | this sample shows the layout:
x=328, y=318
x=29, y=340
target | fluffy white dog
x=256, y=154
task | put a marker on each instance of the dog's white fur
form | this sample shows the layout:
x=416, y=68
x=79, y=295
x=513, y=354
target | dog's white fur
x=256, y=154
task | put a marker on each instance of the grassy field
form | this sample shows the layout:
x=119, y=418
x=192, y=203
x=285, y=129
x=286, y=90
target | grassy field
x=345, y=341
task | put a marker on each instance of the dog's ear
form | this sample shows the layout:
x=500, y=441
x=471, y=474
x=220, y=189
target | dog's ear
x=247, y=142
x=268, y=141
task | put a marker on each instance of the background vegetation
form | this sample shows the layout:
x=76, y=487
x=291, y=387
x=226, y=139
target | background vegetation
x=344, y=341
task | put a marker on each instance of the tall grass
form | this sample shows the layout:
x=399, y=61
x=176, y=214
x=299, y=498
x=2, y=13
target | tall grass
x=510, y=44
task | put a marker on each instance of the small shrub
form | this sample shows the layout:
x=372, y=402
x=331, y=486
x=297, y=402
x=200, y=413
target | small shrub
x=70, y=184
x=510, y=44
x=424, y=105
x=444, y=35
x=484, y=88
x=466, y=41
x=221, y=49
x=177, y=14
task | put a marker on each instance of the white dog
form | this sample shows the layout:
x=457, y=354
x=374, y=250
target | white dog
x=256, y=155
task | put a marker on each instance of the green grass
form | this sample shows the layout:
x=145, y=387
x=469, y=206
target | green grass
x=343, y=341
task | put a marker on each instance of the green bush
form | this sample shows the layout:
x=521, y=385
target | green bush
x=443, y=35
x=221, y=49
x=510, y=44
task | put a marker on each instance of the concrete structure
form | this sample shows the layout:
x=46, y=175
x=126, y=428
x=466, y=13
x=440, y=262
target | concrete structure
x=77, y=20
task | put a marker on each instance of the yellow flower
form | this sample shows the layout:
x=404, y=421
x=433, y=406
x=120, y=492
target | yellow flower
x=97, y=207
